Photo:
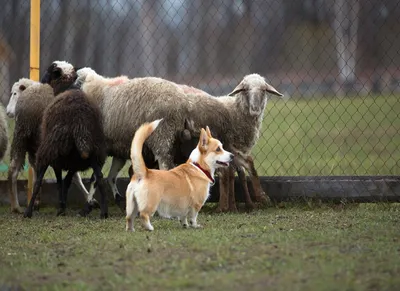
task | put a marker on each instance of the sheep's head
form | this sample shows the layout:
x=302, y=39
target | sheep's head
x=60, y=75
x=254, y=90
x=82, y=74
x=16, y=91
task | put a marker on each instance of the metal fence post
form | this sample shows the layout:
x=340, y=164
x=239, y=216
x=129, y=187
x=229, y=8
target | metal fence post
x=34, y=64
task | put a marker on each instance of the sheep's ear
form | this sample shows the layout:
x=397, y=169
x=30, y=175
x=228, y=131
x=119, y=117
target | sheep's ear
x=189, y=125
x=22, y=87
x=208, y=132
x=185, y=135
x=239, y=88
x=203, y=142
x=272, y=90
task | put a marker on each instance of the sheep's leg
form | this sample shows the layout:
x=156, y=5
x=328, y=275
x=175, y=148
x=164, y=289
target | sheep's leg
x=116, y=166
x=65, y=187
x=223, y=191
x=38, y=183
x=259, y=195
x=88, y=195
x=58, y=174
x=243, y=181
x=103, y=198
x=13, y=171
x=37, y=201
x=231, y=189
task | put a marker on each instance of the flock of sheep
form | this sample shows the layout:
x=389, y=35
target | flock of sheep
x=73, y=119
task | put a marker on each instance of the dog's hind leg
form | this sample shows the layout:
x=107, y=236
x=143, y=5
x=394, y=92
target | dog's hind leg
x=131, y=207
x=243, y=181
x=146, y=220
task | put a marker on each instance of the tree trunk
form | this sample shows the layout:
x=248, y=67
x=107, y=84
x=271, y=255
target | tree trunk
x=189, y=42
x=345, y=24
x=148, y=27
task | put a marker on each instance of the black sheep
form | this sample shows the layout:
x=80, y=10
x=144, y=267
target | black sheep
x=72, y=139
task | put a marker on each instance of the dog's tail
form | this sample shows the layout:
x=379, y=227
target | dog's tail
x=144, y=131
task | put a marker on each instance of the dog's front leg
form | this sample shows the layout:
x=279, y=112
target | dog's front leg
x=193, y=218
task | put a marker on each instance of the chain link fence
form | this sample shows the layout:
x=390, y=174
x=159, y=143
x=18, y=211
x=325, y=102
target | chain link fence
x=337, y=63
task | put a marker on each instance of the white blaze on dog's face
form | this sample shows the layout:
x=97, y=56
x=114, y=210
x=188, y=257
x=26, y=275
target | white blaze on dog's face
x=16, y=91
x=210, y=152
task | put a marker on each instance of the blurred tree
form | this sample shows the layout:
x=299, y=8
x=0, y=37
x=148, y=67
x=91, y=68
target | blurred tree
x=345, y=25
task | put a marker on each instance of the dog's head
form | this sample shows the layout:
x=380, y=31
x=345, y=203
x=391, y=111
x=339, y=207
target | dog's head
x=209, y=152
x=60, y=75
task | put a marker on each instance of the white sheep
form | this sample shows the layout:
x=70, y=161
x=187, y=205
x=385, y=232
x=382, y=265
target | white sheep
x=235, y=120
x=27, y=104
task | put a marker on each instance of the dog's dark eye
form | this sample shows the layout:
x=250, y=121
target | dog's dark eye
x=218, y=149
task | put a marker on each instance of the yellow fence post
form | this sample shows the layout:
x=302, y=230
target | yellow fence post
x=34, y=64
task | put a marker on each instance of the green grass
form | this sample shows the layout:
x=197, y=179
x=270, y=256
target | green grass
x=351, y=136
x=303, y=247
x=328, y=136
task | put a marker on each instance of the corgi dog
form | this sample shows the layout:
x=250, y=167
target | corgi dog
x=180, y=192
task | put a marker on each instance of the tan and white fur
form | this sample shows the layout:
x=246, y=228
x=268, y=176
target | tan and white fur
x=180, y=192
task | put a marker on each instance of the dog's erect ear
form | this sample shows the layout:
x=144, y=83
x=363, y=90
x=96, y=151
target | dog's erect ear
x=272, y=90
x=239, y=88
x=203, y=142
x=208, y=132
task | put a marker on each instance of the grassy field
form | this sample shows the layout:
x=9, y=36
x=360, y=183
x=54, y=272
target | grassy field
x=350, y=136
x=302, y=247
x=328, y=136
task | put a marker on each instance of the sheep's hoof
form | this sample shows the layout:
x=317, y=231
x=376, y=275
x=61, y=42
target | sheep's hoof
x=264, y=200
x=94, y=204
x=221, y=209
x=28, y=214
x=232, y=208
x=36, y=207
x=17, y=209
x=61, y=212
x=86, y=209
x=103, y=215
x=250, y=206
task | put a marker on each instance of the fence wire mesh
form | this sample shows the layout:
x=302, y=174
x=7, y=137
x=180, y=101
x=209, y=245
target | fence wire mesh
x=337, y=63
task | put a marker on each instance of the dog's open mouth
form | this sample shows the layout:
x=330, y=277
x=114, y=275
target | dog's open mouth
x=223, y=163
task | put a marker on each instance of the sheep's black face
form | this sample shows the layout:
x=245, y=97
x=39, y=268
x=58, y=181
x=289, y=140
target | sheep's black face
x=60, y=76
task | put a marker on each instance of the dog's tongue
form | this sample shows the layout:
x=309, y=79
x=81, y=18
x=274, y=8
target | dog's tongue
x=222, y=163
